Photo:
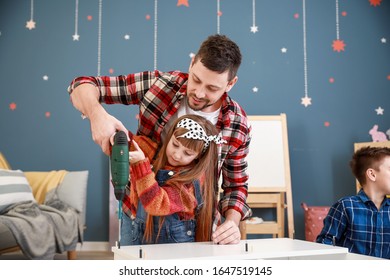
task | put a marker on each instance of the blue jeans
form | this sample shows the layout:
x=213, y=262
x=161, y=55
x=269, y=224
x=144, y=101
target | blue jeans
x=173, y=230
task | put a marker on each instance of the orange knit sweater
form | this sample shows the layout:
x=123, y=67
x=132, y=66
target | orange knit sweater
x=157, y=200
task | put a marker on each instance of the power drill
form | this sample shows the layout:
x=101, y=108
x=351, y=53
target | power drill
x=120, y=171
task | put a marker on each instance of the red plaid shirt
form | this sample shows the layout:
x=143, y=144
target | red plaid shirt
x=158, y=95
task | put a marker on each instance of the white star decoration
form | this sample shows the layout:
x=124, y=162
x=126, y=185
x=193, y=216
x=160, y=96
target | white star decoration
x=45, y=78
x=30, y=24
x=127, y=37
x=255, y=89
x=284, y=50
x=76, y=37
x=379, y=110
x=254, y=28
x=383, y=40
x=306, y=101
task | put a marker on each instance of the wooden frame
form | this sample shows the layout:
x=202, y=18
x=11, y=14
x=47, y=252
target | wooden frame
x=269, y=184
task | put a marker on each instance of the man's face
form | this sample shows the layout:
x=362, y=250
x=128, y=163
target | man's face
x=205, y=87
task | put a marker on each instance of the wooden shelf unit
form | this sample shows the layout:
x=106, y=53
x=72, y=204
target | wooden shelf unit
x=275, y=200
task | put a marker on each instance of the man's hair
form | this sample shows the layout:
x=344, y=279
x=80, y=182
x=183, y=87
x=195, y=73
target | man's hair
x=365, y=158
x=218, y=53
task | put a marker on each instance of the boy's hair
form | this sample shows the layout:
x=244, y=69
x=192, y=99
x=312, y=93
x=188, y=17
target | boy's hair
x=218, y=53
x=204, y=167
x=365, y=158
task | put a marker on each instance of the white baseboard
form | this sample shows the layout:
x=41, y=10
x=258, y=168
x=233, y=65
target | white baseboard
x=93, y=246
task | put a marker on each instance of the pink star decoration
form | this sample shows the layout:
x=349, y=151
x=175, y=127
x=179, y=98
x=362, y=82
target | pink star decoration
x=182, y=3
x=375, y=2
x=338, y=45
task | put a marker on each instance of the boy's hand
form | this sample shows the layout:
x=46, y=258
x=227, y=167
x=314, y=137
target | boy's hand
x=137, y=155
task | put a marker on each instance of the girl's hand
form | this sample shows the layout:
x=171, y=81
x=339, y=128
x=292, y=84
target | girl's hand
x=137, y=155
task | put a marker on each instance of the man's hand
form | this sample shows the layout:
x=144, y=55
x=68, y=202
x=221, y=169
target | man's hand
x=85, y=98
x=103, y=126
x=229, y=231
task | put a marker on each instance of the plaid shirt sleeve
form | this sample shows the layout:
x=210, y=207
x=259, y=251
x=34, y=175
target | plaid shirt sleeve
x=127, y=90
x=236, y=131
x=335, y=224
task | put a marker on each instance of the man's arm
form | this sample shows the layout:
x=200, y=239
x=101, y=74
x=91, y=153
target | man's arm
x=85, y=98
x=233, y=204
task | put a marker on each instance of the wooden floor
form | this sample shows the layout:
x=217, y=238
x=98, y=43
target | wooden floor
x=81, y=255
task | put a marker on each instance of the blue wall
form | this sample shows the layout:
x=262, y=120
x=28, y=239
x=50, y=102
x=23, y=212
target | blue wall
x=319, y=153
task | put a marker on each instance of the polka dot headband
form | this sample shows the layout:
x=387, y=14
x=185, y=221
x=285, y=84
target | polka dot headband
x=196, y=131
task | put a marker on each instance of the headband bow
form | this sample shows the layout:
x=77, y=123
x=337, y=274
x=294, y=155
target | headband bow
x=196, y=131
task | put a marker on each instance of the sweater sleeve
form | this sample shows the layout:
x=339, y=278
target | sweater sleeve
x=160, y=200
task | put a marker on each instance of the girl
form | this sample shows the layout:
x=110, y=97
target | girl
x=174, y=200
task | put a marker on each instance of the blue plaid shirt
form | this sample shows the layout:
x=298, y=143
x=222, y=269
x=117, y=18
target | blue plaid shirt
x=355, y=222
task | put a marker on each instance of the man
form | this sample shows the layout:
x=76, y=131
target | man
x=163, y=97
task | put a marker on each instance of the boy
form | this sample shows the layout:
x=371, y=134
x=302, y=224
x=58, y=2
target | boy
x=362, y=222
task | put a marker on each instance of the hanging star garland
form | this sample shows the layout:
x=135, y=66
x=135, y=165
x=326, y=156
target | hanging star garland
x=99, y=59
x=155, y=33
x=219, y=14
x=254, y=28
x=306, y=100
x=31, y=23
x=76, y=36
x=338, y=45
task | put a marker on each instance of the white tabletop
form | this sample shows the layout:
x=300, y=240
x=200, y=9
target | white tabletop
x=270, y=248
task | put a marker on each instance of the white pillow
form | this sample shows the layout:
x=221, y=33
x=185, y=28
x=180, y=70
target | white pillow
x=14, y=188
x=73, y=189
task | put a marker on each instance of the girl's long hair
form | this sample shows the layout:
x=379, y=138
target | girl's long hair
x=204, y=168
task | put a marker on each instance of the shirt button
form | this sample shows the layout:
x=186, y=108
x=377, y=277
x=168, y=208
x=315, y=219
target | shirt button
x=189, y=233
x=170, y=173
